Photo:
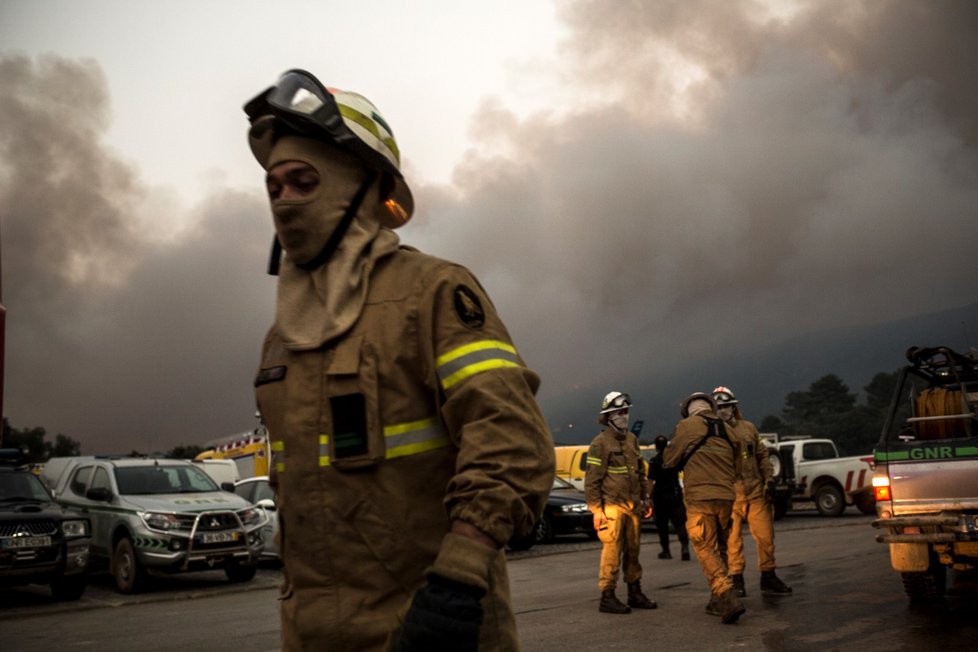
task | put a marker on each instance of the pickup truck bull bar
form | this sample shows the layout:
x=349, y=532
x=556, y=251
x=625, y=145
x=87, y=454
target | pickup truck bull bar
x=965, y=528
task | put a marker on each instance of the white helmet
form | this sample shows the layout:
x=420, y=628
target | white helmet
x=615, y=401
x=723, y=396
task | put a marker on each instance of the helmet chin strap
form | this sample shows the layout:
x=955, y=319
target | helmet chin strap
x=320, y=259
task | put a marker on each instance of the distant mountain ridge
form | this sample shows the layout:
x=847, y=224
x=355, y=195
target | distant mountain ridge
x=762, y=377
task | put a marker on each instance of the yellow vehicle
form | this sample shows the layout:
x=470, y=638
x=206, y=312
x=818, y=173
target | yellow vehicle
x=572, y=462
x=251, y=452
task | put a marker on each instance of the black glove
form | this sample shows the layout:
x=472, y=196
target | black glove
x=444, y=616
x=770, y=489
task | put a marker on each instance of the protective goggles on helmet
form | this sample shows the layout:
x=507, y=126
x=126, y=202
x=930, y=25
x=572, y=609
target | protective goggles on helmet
x=300, y=104
x=619, y=402
x=724, y=396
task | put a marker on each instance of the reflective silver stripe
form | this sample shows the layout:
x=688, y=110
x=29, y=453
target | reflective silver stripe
x=414, y=437
x=470, y=359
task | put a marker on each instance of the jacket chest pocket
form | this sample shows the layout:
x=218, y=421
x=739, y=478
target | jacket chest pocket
x=353, y=436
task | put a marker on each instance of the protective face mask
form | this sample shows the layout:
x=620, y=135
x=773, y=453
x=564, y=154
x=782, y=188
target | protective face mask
x=619, y=421
x=726, y=413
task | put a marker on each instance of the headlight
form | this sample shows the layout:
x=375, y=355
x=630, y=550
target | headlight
x=75, y=528
x=574, y=507
x=250, y=516
x=160, y=521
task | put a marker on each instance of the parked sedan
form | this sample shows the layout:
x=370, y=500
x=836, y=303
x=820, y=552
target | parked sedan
x=566, y=513
x=259, y=492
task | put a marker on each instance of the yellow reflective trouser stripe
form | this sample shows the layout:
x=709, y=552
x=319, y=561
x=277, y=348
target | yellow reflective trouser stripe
x=278, y=458
x=594, y=460
x=401, y=439
x=414, y=437
x=470, y=359
x=617, y=469
x=324, y=450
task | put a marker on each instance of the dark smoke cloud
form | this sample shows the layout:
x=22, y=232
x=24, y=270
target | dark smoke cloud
x=117, y=338
x=820, y=177
x=820, y=172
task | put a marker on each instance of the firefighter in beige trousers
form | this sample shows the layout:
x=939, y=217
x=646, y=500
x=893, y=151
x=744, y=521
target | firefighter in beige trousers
x=699, y=447
x=615, y=485
x=751, y=506
x=407, y=443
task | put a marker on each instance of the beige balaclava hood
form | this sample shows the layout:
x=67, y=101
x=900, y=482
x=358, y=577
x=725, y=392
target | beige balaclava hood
x=315, y=306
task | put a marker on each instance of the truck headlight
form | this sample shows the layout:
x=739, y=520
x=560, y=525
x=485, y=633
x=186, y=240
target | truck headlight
x=73, y=529
x=250, y=516
x=160, y=521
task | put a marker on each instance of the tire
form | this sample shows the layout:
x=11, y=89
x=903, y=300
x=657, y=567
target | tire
x=240, y=573
x=865, y=503
x=829, y=501
x=70, y=587
x=129, y=574
x=544, y=531
x=928, y=585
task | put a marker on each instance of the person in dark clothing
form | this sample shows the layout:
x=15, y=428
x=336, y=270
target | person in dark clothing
x=667, y=502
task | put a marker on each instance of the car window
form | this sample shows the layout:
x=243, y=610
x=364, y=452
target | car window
x=79, y=480
x=22, y=485
x=151, y=480
x=101, y=480
x=818, y=450
x=583, y=462
x=264, y=490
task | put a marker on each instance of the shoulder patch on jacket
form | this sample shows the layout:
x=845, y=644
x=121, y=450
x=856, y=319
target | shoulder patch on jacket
x=468, y=307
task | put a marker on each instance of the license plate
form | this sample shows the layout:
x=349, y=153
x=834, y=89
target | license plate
x=219, y=537
x=26, y=542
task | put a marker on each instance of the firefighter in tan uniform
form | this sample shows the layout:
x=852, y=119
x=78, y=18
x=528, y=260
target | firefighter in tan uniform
x=615, y=486
x=753, y=469
x=407, y=443
x=701, y=449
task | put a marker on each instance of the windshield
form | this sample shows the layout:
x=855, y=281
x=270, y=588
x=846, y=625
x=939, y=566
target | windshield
x=23, y=486
x=170, y=479
x=560, y=483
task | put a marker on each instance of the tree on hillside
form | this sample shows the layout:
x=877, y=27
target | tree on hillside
x=186, y=452
x=32, y=440
x=828, y=409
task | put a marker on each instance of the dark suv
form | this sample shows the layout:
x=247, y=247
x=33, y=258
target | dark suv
x=40, y=541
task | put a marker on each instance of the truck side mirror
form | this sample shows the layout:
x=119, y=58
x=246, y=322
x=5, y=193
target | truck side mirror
x=100, y=494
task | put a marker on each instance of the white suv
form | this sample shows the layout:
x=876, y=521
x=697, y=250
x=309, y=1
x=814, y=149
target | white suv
x=161, y=514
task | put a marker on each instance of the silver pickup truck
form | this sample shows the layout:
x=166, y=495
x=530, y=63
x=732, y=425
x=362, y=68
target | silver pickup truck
x=160, y=514
x=926, y=471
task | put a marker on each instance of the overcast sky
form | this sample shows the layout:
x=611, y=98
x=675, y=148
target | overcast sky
x=637, y=184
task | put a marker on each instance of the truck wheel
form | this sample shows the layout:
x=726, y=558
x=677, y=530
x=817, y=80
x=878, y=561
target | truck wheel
x=240, y=572
x=829, y=501
x=928, y=585
x=129, y=574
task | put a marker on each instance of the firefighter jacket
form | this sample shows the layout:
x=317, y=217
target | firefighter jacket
x=753, y=466
x=615, y=472
x=708, y=473
x=422, y=413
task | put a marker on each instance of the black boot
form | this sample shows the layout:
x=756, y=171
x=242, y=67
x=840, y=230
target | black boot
x=638, y=599
x=739, y=588
x=713, y=607
x=730, y=607
x=685, y=552
x=610, y=604
x=665, y=554
x=771, y=583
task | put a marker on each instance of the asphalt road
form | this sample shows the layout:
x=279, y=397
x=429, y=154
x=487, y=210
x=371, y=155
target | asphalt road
x=845, y=598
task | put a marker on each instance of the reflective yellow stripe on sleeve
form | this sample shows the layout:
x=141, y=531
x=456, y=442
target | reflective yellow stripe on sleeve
x=594, y=460
x=470, y=359
x=278, y=455
x=324, y=450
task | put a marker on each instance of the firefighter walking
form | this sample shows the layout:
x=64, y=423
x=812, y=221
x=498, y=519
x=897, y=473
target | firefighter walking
x=699, y=447
x=751, y=505
x=615, y=487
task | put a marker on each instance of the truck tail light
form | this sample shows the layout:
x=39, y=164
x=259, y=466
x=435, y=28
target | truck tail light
x=881, y=488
